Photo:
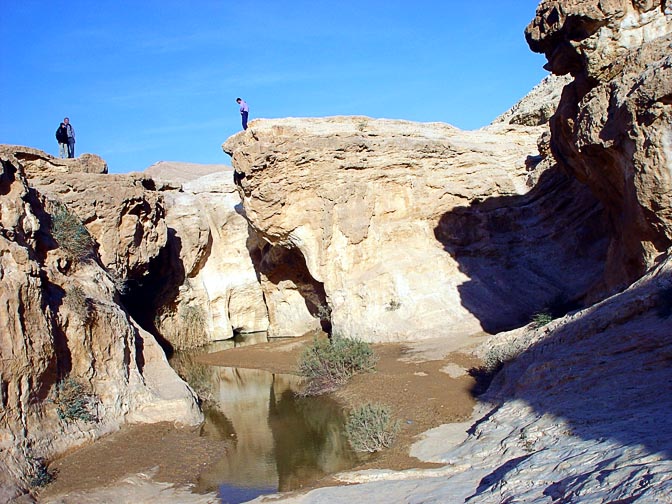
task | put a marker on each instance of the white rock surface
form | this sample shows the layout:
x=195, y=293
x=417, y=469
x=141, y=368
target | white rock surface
x=219, y=292
x=361, y=200
x=581, y=416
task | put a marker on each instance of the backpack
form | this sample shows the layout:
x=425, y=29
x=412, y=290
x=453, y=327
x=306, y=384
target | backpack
x=62, y=135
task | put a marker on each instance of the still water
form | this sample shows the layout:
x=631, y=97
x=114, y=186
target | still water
x=277, y=441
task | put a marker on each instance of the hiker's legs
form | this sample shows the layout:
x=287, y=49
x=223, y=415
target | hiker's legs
x=62, y=150
x=244, y=114
x=71, y=148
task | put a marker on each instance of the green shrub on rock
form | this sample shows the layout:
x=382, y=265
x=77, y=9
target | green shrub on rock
x=38, y=474
x=541, y=319
x=70, y=233
x=74, y=403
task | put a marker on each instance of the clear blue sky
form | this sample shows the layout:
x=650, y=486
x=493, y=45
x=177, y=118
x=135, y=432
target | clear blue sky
x=145, y=81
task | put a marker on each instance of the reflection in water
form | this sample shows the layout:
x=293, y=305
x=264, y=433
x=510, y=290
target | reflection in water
x=278, y=441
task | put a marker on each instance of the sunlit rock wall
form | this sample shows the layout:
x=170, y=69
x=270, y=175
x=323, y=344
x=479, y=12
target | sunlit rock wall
x=418, y=230
x=60, y=318
x=206, y=280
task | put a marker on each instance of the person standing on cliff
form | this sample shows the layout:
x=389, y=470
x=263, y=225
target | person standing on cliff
x=244, y=111
x=62, y=139
x=71, y=137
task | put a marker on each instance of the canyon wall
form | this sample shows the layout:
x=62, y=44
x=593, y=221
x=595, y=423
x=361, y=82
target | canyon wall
x=413, y=230
x=61, y=319
x=580, y=411
x=173, y=238
x=204, y=286
x=613, y=127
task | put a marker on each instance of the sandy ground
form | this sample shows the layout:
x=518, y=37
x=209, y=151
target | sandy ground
x=425, y=383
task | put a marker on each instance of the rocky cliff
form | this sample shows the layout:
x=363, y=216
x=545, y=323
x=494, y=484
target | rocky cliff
x=173, y=238
x=579, y=412
x=62, y=323
x=204, y=285
x=612, y=129
x=408, y=230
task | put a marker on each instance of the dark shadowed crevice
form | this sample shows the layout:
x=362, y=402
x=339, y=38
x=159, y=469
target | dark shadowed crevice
x=278, y=264
x=159, y=287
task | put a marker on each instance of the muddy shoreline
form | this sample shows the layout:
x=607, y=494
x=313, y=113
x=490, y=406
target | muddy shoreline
x=425, y=384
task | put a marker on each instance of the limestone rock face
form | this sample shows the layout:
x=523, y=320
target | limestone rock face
x=124, y=213
x=613, y=127
x=537, y=107
x=208, y=258
x=41, y=161
x=581, y=415
x=407, y=229
x=60, y=319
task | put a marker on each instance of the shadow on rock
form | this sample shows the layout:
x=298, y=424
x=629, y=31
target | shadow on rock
x=542, y=251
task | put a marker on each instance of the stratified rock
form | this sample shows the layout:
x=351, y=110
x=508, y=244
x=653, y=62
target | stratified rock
x=612, y=129
x=60, y=319
x=124, y=213
x=414, y=230
x=537, y=106
x=41, y=161
x=208, y=260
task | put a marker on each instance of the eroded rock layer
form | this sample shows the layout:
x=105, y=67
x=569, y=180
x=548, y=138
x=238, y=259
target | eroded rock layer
x=613, y=127
x=61, y=320
x=420, y=230
x=205, y=285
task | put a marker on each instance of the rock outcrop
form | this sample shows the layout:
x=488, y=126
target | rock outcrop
x=123, y=213
x=579, y=412
x=206, y=280
x=581, y=415
x=61, y=319
x=173, y=237
x=538, y=106
x=612, y=130
x=416, y=230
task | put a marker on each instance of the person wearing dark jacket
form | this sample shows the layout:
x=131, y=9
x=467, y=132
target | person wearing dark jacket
x=62, y=139
x=71, y=137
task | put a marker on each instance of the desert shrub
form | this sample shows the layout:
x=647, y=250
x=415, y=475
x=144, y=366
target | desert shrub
x=371, y=428
x=39, y=475
x=393, y=305
x=541, y=319
x=70, y=233
x=80, y=304
x=191, y=326
x=328, y=364
x=74, y=403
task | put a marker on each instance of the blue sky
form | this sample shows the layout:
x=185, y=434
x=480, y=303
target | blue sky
x=146, y=81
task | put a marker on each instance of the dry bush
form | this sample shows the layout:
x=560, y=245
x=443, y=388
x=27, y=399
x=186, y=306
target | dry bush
x=70, y=233
x=74, y=403
x=328, y=364
x=371, y=428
